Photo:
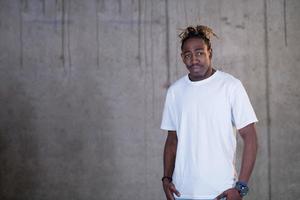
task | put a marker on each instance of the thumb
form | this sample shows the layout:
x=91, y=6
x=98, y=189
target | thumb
x=174, y=190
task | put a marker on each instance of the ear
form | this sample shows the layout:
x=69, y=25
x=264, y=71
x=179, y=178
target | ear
x=182, y=56
x=210, y=53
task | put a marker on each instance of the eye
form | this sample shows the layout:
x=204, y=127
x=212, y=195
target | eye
x=187, y=56
x=199, y=53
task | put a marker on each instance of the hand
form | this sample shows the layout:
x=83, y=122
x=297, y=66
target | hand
x=230, y=194
x=170, y=189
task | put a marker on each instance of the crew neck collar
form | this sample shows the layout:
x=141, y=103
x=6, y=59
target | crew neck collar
x=201, y=82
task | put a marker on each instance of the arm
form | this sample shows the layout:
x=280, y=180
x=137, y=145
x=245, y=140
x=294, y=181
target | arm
x=169, y=164
x=170, y=153
x=248, y=134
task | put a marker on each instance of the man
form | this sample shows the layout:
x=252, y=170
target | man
x=200, y=111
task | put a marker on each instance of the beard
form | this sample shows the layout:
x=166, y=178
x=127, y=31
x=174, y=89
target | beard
x=199, y=71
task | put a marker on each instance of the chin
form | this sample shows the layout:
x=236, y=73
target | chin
x=199, y=76
x=199, y=73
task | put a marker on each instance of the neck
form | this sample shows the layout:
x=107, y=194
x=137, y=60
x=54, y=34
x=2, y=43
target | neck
x=208, y=73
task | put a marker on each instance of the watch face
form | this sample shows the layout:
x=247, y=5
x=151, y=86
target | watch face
x=243, y=189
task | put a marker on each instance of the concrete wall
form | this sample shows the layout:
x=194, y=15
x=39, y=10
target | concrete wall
x=83, y=84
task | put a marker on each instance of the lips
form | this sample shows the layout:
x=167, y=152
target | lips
x=195, y=67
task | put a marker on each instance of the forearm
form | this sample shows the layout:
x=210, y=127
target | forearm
x=169, y=164
x=170, y=154
x=249, y=152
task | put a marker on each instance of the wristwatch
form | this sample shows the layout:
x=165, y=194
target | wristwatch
x=242, y=188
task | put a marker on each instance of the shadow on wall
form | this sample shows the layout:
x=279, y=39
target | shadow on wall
x=18, y=146
x=39, y=162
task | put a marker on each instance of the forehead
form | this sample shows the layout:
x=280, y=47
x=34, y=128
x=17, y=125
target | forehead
x=193, y=44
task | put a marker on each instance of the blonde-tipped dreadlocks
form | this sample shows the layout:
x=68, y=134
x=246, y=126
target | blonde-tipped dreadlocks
x=203, y=32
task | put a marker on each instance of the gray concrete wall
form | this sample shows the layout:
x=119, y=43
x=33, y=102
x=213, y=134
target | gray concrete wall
x=83, y=84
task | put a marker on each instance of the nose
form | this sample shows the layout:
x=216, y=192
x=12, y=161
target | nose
x=194, y=59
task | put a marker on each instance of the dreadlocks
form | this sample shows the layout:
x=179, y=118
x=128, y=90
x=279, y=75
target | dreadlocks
x=203, y=32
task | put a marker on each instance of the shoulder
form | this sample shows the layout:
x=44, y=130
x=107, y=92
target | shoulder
x=229, y=79
x=178, y=85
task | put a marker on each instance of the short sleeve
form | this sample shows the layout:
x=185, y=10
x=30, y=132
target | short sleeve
x=168, y=117
x=241, y=108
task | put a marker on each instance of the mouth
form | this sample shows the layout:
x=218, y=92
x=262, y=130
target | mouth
x=195, y=67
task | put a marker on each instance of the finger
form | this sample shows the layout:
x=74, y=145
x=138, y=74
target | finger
x=174, y=190
x=169, y=195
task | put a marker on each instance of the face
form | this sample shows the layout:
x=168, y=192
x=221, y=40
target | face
x=197, y=58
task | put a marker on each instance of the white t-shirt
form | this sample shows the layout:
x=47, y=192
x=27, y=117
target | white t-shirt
x=203, y=114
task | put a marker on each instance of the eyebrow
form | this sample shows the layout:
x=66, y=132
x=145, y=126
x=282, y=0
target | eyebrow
x=198, y=49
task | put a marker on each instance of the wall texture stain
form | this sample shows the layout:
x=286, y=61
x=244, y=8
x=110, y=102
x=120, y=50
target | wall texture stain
x=21, y=34
x=267, y=96
x=69, y=38
x=168, y=81
x=63, y=18
x=285, y=25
